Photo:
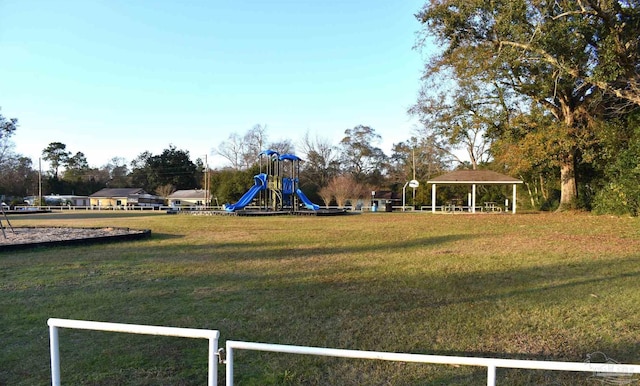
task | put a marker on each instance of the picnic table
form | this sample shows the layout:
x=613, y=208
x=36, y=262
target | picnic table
x=453, y=205
x=491, y=206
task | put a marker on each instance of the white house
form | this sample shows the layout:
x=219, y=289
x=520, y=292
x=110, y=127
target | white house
x=189, y=197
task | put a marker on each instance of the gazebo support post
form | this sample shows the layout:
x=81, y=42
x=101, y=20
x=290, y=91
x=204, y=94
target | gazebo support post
x=473, y=198
x=433, y=198
x=513, y=201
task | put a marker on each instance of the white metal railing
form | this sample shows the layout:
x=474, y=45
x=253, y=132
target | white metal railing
x=611, y=371
x=54, y=324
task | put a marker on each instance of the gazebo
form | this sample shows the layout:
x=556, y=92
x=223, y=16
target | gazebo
x=473, y=178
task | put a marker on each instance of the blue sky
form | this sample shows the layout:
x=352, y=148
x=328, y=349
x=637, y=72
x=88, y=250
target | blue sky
x=115, y=78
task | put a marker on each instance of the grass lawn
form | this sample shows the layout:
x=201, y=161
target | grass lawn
x=526, y=286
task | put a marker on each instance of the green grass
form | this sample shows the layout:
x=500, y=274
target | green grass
x=530, y=286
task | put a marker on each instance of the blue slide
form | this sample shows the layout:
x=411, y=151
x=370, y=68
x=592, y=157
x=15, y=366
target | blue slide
x=260, y=184
x=306, y=202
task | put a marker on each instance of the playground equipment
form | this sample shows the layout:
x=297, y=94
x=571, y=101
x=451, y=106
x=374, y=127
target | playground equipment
x=277, y=187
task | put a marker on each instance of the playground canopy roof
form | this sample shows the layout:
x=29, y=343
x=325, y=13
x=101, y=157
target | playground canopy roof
x=470, y=177
x=289, y=157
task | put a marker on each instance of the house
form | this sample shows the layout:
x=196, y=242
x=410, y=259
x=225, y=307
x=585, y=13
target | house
x=145, y=199
x=75, y=200
x=59, y=200
x=189, y=197
x=115, y=197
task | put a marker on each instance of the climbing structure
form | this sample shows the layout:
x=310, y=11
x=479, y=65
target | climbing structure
x=277, y=186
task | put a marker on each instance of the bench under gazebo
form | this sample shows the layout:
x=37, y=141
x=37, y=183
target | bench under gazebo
x=473, y=178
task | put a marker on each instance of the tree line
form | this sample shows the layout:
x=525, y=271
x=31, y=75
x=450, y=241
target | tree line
x=330, y=173
x=548, y=92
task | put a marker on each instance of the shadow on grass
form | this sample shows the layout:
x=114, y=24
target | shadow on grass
x=166, y=236
x=562, y=310
x=393, y=314
x=275, y=250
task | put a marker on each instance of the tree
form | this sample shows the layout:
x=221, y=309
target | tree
x=326, y=195
x=242, y=152
x=76, y=177
x=548, y=52
x=360, y=157
x=525, y=150
x=140, y=171
x=613, y=46
x=343, y=188
x=462, y=117
x=57, y=155
x=321, y=164
x=232, y=150
x=619, y=191
x=165, y=190
x=254, y=143
x=17, y=177
x=118, y=173
x=172, y=167
x=282, y=147
x=229, y=184
x=10, y=180
x=419, y=158
x=77, y=162
x=7, y=126
x=75, y=167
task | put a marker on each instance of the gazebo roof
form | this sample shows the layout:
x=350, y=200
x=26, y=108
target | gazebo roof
x=474, y=177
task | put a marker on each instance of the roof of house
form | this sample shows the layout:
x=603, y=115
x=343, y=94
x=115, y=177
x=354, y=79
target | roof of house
x=474, y=177
x=117, y=192
x=189, y=193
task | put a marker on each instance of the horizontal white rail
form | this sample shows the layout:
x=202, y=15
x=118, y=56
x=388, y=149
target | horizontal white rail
x=609, y=372
x=612, y=369
x=54, y=324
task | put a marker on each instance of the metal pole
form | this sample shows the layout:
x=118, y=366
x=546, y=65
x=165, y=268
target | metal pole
x=229, y=367
x=404, y=195
x=491, y=375
x=213, y=363
x=55, y=356
x=39, y=181
x=206, y=182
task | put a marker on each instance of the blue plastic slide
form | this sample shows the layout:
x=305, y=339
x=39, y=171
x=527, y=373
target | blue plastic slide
x=259, y=184
x=306, y=202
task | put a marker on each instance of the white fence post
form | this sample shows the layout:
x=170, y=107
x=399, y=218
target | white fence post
x=55, y=356
x=229, y=367
x=491, y=376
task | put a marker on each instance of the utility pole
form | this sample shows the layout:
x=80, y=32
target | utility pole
x=39, y=181
x=413, y=156
x=206, y=182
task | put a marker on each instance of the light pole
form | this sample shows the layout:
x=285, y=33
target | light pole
x=207, y=194
x=39, y=181
x=412, y=184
